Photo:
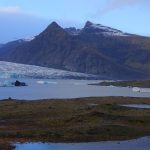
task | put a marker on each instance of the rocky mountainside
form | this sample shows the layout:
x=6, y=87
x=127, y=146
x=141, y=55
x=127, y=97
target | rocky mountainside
x=1, y=45
x=5, y=48
x=95, y=49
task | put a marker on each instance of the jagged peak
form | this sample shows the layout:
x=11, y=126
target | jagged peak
x=105, y=30
x=54, y=25
x=88, y=24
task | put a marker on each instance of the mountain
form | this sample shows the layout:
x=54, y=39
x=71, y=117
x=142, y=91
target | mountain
x=95, y=49
x=5, y=48
x=102, y=30
x=1, y=45
x=73, y=31
x=15, y=70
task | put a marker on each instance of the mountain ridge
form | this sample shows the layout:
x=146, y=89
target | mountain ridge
x=95, y=49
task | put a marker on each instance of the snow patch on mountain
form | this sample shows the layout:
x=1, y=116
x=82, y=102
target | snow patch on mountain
x=28, y=39
x=73, y=31
x=107, y=31
x=15, y=70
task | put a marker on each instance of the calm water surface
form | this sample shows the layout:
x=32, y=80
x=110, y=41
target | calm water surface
x=37, y=89
x=140, y=106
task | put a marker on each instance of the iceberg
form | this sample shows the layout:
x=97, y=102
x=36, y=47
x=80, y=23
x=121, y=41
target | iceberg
x=136, y=89
x=143, y=90
x=46, y=82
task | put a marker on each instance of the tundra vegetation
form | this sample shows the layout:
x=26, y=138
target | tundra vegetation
x=73, y=120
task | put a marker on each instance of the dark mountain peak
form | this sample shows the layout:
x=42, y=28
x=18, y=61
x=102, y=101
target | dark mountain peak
x=88, y=24
x=54, y=25
x=91, y=25
x=100, y=29
x=52, y=31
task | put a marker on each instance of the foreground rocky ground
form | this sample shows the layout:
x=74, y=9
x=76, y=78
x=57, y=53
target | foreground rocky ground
x=75, y=120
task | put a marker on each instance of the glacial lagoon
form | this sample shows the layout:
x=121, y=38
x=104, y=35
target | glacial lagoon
x=52, y=88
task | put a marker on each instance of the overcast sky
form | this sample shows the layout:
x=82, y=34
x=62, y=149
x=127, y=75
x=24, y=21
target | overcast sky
x=26, y=18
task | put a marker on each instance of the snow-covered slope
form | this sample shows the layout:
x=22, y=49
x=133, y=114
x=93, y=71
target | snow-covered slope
x=107, y=31
x=28, y=39
x=73, y=31
x=15, y=70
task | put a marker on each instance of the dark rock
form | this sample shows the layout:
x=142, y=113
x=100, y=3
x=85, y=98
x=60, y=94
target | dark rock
x=18, y=83
x=9, y=98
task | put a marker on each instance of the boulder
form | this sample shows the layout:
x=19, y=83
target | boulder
x=18, y=83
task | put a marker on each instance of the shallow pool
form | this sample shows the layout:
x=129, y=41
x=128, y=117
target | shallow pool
x=139, y=144
x=140, y=106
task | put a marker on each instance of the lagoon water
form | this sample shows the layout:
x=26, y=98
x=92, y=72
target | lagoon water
x=45, y=89
x=138, y=144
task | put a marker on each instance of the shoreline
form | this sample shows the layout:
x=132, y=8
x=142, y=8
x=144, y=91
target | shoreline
x=14, y=145
x=92, y=142
x=132, y=83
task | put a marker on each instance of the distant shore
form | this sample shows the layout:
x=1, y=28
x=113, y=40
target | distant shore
x=133, y=83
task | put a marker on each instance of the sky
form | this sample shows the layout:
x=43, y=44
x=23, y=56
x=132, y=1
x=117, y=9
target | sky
x=27, y=18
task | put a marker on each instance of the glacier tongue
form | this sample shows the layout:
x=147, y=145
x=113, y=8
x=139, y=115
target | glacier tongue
x=15, y=70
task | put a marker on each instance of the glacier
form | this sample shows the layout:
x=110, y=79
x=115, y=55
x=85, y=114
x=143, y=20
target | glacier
x=16, y=70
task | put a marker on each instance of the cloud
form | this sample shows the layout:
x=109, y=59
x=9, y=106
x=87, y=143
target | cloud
x=17, y=24
x=10, y=9
x=118, y=4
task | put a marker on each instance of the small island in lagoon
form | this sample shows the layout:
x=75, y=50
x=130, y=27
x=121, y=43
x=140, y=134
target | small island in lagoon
x=18, y=83
x=136, y=85
x=130, y=83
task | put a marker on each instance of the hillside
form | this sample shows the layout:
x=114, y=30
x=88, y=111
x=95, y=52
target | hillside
x=95, y=49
